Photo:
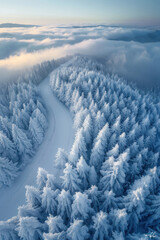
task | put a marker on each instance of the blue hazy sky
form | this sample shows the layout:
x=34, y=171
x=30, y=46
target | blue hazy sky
x=142, y=12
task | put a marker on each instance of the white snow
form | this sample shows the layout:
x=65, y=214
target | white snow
x=60, y=133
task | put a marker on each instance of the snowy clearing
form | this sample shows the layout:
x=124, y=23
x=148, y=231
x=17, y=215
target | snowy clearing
x=59, y=134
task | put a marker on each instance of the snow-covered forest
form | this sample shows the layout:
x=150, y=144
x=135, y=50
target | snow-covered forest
x=39, y=72
x=23, y=122
x=109, y=188
x=23, y=119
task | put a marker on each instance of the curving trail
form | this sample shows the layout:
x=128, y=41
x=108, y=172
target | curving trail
x=60, y=133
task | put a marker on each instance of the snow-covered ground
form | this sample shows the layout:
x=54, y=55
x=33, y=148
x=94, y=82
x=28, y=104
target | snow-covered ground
x=59, y=134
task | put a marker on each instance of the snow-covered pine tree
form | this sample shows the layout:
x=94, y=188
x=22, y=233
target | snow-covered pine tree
x=64, y=205
x=101, y=226
x=33, y=196
x=83, y=171
x=49, y=200
x=100, y=147
x=22, y=143
x=55, y=224
x=100, y=121
x=134, y=201
x=41, y=118
x=119, y=219
x=88, y=129
x=8, y=171
x=113, y=177
x=78, y=231
x=41, y=178
x=8, y=229
x=36, y=131
x=7, y=148
x=61, y=158
x=109, y=201
x=30, y=228
x=94, y=194
x=71, y=180
x=93, y=177
x=81, y=207
x=78, y=148
x=6, y=127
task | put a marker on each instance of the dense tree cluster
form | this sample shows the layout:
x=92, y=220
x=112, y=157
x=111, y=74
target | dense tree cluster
x=22, y=127
x=110, y=184
x=40, y=71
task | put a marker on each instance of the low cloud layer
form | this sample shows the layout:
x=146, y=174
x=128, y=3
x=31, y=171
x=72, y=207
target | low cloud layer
x=132, y=53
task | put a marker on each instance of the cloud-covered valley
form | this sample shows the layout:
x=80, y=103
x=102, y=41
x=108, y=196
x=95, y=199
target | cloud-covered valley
x=133, y=53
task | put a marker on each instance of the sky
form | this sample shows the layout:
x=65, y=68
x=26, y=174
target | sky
x=130, y=12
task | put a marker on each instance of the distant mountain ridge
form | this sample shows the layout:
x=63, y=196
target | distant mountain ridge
x=12, y=25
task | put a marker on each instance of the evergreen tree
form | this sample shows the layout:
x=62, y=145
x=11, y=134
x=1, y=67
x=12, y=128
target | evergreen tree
x=100, y=226
x=41, y=108
x=64, y=204
x=41, y=118
x=135, y=201
x=153, y=211
x=114, y=151
x=93, y=177
x=61, y=158
x=36, y=131
x=88, y=129
x=119, y=220
x=117, y=125
x=29, y=211
x=30, y=228
x=114, y=177
x=19, y=120
x=78, y=231
x=49, y=200
x=81, y=207
x=7, y=148
x=100, y=121
x=94, y=194
x=106, y=110
x=154, y=173
x=5, y=126
x=109, y=201
x=52, y=182
x=8, y=229
x=33, y=196
x=126, y=125
x=55, y=224
x=99, y=148
x=71, y=179
x=41, y=178
x=137, y=166
x=8, y=171
x=122, y=142
x=79, y=118
x=83, y=171
x=25, y=118
x=78, y=148
x=112, y=141
x=134, y=148
x=22, y=143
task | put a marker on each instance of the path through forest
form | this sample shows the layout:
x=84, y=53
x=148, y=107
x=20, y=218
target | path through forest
x=59, y=134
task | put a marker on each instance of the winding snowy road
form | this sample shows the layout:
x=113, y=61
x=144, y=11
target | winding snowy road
x=60, y=133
